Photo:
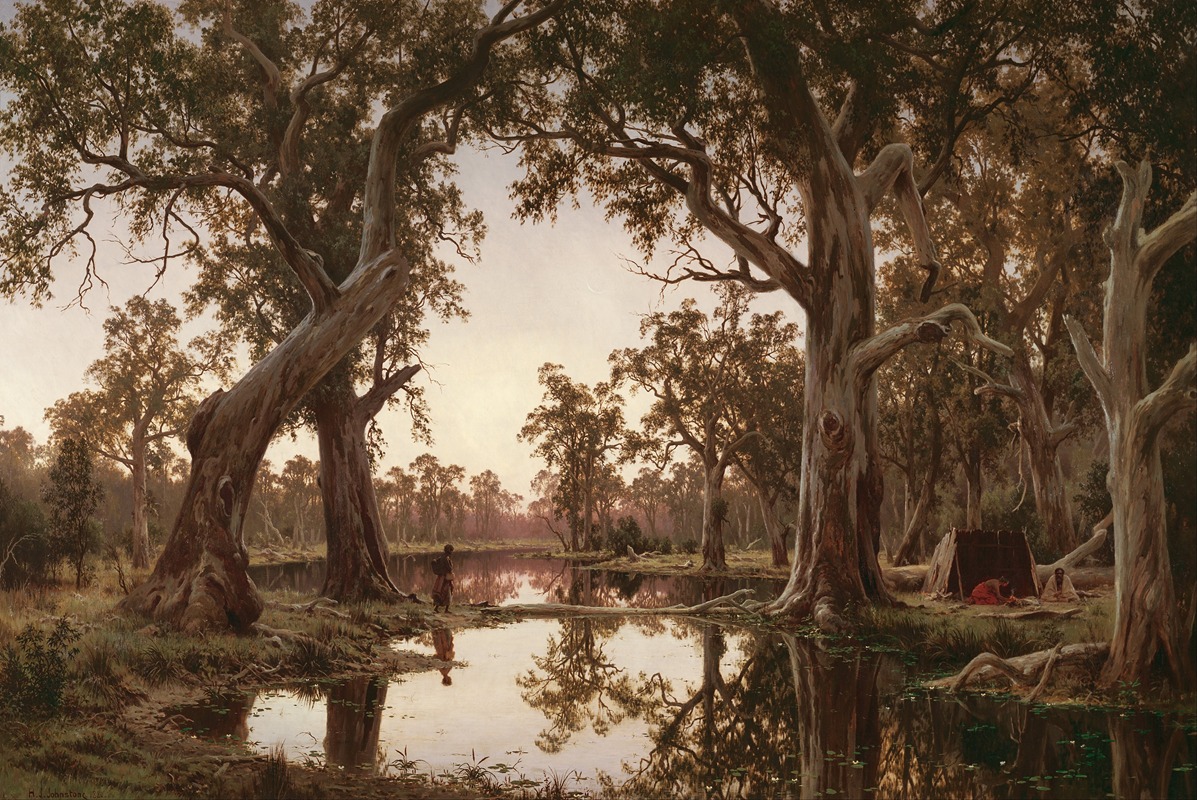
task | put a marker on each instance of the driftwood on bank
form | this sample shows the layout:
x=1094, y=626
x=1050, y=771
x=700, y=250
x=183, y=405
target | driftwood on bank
x=734, y=602
x=1038, y=613
x=1021, y=670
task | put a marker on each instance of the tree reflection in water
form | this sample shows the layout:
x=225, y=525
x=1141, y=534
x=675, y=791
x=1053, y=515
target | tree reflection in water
x=575, y=685
x=354, y=722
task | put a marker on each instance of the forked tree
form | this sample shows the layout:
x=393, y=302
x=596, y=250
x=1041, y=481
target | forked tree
x=114, y=101
x=755, y=117
x=1146, y=622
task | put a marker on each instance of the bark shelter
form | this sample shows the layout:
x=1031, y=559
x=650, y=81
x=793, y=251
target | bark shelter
x=200, y=580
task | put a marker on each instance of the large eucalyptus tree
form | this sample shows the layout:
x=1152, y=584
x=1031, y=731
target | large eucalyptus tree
x=115, y=100
x=772, y=125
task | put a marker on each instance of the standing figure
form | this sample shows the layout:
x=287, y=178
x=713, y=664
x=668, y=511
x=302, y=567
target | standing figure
x=442, y=589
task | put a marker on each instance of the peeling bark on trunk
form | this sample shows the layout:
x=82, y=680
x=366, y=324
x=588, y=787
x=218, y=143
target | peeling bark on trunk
x=1146, y=614
x=357, y=551
x=200, y=581
x=839, y=501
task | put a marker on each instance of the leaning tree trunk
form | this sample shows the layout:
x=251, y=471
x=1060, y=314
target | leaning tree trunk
x=200, y=580
x=1146, y=616
x=141, y=526
x=356, y=568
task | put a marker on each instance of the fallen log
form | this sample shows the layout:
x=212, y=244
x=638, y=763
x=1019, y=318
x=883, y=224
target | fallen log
x=1038, y=613
x=1087, y=548
x=727, y=603
x=1019, y=669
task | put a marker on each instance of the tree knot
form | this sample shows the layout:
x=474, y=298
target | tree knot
x=931, y=332
x=832, y=431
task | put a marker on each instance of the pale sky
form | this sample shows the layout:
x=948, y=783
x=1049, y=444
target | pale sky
x=539, y=293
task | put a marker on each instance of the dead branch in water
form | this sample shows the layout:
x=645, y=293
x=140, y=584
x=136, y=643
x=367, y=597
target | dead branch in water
x=1021, y=670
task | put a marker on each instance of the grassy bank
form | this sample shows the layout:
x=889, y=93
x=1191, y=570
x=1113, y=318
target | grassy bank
x=84, y=705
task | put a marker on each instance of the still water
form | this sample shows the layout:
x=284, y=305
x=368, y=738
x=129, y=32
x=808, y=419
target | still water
x=676, y=707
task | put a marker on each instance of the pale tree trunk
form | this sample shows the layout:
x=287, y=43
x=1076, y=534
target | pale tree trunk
x=141, y=527
x=972, y=478
x=1042, y=440
x=1146, y=616
x=775, y=528
x=910, y=550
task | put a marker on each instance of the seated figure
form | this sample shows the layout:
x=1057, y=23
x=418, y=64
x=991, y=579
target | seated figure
x=1059, y=589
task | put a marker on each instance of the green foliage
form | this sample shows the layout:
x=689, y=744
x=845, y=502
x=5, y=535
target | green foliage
x=34, y=670
x=1012, y=508
x=24, y=545
x=73, y=495
x=1093, y=503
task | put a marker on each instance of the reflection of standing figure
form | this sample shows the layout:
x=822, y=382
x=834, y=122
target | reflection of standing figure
x=442, y=589
x=442, y=642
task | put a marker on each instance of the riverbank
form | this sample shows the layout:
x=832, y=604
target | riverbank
x=86, y=710
x=116, y=730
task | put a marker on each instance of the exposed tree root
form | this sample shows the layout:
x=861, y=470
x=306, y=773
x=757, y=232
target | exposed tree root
x=734, y=602
x=1021, y=670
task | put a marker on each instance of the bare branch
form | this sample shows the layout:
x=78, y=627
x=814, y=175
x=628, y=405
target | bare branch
x=1177, y=393
x=271, y=76
x=894, y=168
x=868, y=355
x=1091, y=365
x=991, y=387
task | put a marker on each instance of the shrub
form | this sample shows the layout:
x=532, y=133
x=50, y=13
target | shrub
x=34, y=670
x=689, y=546
x=626, y=532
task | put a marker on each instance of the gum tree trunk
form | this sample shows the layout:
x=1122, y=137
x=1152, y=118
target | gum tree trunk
x=1043, y=441
x=141, y=527
x=1146, y=618
x=357, y=551
x=200, y=581
x=910, y=550
x=714, y=513
x=354, y=531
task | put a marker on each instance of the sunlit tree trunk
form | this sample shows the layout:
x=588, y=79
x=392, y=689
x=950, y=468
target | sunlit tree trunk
x=200, y=580
x=1146, y=616
x=141, y=527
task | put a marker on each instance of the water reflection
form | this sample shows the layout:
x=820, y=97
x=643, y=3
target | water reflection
x=505, y=577
x=658, y=707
